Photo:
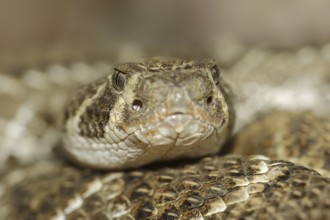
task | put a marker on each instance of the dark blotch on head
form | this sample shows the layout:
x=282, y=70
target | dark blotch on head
x=97, y=114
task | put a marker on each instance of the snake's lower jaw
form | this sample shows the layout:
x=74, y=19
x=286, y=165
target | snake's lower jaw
x=176, y=136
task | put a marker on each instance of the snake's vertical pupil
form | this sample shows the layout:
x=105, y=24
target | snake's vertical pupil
x=137, y=105
x=118, y=80
x=216, y=74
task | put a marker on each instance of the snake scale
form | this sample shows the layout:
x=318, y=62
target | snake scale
x=281, y=185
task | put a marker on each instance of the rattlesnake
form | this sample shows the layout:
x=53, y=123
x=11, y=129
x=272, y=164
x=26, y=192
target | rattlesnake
x=161, y=108
x=218, y=187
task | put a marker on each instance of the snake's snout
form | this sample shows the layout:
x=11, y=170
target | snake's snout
x=181, y=100
x=177, y=101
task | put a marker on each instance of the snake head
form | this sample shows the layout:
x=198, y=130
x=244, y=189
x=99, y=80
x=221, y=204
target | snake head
x=156, y=109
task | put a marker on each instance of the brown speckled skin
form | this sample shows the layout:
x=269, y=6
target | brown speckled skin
x=303, y=138
x=96, y=119
x=239, y=186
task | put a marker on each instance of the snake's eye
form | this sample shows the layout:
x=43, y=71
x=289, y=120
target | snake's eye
x=216, y=74
x=137, y=105
x=118, y=80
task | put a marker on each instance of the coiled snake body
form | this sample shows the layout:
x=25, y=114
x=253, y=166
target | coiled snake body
x=163, y=109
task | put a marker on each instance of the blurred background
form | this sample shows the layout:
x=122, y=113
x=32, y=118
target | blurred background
x=35, y=30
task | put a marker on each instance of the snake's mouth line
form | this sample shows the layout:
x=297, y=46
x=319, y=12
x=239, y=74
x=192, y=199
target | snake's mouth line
x=175, y=130
x=157, y=121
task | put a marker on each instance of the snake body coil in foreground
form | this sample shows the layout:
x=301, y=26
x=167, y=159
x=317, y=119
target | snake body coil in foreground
x=166, y=109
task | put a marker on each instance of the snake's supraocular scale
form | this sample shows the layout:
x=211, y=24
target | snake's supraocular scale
x=156, y=109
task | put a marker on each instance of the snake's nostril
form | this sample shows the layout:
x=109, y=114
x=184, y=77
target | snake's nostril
x=209, y=99
x=178, y=113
